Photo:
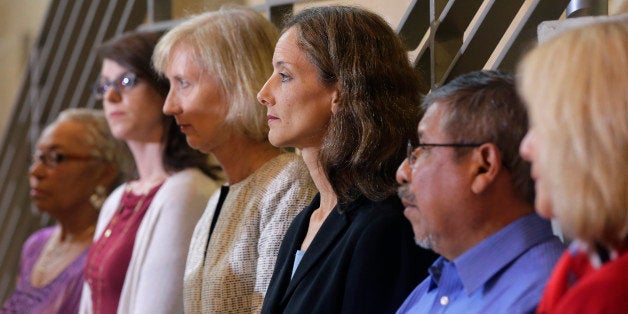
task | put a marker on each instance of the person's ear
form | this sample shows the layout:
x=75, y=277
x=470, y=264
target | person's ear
x=335, y=99
x=487, y=160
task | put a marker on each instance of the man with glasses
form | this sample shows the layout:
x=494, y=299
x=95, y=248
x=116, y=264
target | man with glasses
x=469, y=197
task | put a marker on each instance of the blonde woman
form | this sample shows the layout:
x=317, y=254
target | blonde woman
x=216, y=62
x=578, y=146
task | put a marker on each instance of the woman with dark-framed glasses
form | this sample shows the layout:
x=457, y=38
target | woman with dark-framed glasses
x=144, y=228
x=75, y=165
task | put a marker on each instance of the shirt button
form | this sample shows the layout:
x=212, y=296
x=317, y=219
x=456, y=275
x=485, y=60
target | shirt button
x=444, y=300
x=107, y=233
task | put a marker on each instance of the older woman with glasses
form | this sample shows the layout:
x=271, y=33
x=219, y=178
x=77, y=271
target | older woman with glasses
x=144, y=229
x=77, y=162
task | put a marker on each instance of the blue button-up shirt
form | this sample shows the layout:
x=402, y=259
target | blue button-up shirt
x=505, y=273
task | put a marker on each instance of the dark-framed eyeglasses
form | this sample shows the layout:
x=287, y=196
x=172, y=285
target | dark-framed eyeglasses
x=124, y=82
x=411, y=150
x=52, y=158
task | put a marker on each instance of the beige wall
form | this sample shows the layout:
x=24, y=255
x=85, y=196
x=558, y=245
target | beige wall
x=183, y=8
x=391, y=10
x=20, y=22
x=19, y=25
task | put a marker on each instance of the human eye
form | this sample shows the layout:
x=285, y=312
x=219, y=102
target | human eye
x=99, y=89
x=412, y=157
x=100, y=86
x=38, y=156
x=284, y=77
x=128, y=79
x=182, y=83
x=54, y=157
x=48, y=158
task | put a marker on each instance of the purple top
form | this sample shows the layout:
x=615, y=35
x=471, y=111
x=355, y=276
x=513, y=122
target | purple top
x=61, y=295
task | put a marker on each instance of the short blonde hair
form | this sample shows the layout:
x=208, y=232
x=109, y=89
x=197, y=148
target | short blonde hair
x=576, y=89
x=234, y=44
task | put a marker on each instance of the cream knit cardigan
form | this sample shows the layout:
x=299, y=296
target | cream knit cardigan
x=243, y=247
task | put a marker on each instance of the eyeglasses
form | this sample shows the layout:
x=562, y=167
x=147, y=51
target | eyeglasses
x=52, y=159
x=124, y=82
x=411, y=157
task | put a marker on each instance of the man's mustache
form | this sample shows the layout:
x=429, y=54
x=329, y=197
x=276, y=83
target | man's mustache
x=404, y=193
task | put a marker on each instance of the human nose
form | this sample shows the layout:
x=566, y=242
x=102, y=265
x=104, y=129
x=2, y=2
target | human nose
x=37, y=168
x=263, y=96
x=171, y=107
x=403, y=172
x=112, y=94
x=527, y=147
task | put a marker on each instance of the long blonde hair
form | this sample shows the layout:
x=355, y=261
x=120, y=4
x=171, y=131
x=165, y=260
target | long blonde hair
x=576, y=89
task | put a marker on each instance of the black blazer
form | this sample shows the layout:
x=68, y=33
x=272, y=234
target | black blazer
x=363, y=260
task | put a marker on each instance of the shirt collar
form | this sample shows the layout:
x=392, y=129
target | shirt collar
x=435, y=271
x=477, y=265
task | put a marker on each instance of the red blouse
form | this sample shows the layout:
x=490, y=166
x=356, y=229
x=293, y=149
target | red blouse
x=110, y=255
x=585, y=282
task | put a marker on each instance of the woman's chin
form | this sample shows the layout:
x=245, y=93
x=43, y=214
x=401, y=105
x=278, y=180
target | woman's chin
x=277, y=141
x=544, y=209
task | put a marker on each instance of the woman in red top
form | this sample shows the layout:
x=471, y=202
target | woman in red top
x=578, y=146
x=145, y=226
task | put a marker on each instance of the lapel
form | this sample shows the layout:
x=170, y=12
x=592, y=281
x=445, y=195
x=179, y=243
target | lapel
x=335, y=224
x=295, y=238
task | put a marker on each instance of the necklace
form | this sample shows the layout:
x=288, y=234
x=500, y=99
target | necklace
x=139, y=205
x=54, y=256
x=78, y=236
